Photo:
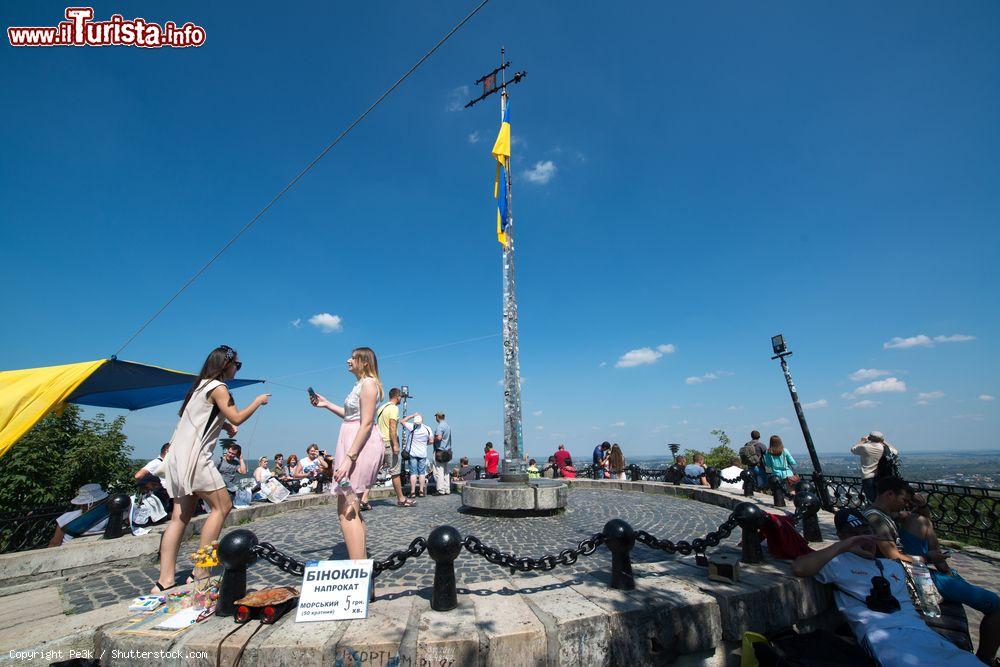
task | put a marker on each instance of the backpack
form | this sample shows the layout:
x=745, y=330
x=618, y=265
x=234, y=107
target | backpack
x=888, y=464
x=749, y=455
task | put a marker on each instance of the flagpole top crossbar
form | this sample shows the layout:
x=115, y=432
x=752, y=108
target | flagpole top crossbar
x=490, y=86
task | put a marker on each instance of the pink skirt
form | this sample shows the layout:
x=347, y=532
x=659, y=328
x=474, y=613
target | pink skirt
x=366, y=467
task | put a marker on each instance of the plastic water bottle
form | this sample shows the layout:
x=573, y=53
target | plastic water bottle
x=926, y=590
x=348, y=490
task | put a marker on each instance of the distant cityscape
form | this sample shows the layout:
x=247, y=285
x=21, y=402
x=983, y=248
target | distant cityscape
x=976, y=468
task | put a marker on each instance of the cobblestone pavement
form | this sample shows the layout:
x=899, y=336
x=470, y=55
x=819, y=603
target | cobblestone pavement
x=314, y=534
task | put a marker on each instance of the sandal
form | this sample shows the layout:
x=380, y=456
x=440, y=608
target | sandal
x=365, y=506
x=160, y=588
x=406, y=503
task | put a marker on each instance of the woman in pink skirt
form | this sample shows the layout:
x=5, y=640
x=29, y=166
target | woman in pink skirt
x=359, y=446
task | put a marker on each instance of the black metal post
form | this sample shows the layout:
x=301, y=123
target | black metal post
x=235, y=553
x=118, y=507
x=635, y=476
x=444, y=544
x=714, y=477
x=750, y=517
x=620, y=538
x=748, y=483
x=479, y=472
x=808, y=504
x=778, y=491
x=817, y=474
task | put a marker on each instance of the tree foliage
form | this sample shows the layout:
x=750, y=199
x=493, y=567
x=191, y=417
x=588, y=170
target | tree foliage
x=60, y=454
x=720, y=456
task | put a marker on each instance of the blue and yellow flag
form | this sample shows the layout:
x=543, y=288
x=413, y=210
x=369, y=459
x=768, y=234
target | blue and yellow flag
x=501, y=151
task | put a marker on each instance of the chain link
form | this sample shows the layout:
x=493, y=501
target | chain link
x=272, y=555
x=397, y=558
x=697, y=545
x=475, y=546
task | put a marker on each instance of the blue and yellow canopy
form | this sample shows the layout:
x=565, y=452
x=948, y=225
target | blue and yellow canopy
x=28, y=395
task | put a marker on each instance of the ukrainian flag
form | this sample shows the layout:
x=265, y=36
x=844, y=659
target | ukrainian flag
x=501, y=151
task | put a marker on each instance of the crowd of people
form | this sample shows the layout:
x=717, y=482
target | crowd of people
x=877, y=544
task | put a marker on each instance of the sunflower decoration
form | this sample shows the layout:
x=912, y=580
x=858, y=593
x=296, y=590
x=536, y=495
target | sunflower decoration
x=206, y=557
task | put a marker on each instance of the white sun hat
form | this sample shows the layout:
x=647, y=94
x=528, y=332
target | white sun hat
x=89, y=493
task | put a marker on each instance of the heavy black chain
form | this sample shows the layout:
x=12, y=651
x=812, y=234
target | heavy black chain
x=735, y=480
x=270, y=553
x=474, y=546
x=397, y=558
x=697, y=545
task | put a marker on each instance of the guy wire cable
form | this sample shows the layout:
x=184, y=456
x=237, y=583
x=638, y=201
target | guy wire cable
x=302, y=173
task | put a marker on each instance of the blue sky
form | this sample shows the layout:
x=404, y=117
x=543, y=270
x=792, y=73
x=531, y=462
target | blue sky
x=697, y=177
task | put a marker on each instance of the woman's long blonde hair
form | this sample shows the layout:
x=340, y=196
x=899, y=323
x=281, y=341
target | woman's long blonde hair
x=367, y=366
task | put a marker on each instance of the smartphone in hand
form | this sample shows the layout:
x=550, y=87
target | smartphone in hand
x=312, y=392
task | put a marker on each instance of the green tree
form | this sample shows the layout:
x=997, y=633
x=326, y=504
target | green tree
x=61, y=453
x=721, y=455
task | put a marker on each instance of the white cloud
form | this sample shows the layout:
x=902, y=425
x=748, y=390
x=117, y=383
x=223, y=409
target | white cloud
x=542, y=172
x=986, y=397
x=821, y=403
x=643, y=356
x=618, y=424
x=955, y=338
x=297, y=322
x=780, y=421
x=602, y=364
x=595, y=428
x=456, y=99
x=707, y=377
x=925, y=397
x=735, y=407
x=539, y=428
x=865, y=404
x=474, y=137
x=922, y=340
x=888, y=385
x=327, y=323
x=913, y=341
x=537, y=413
x=863, y=374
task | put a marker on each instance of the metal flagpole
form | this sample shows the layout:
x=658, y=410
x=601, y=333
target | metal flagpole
x=514, y=467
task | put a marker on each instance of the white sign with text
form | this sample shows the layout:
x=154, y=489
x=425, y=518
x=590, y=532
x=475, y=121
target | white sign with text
x=335, y=590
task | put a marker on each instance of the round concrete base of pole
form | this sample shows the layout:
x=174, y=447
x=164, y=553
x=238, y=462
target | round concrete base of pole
x=493, y=497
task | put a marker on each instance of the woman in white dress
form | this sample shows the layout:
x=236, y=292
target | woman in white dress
x=359, y=446
x=190, y=472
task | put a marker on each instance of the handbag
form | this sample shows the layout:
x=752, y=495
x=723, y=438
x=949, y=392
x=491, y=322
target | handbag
x=442, y=455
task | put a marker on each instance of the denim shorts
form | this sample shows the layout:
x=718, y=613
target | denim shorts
x=956, y=589
x=418, y=466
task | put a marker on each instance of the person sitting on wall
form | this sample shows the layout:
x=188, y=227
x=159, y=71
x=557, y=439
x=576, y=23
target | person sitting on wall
x=550, y=470
x=150, y=479
x=90, y=519
x=466, y=472
x=533, y=472
x=695, y=473
x=568, y=471
x=916, y=537
x=871, y=593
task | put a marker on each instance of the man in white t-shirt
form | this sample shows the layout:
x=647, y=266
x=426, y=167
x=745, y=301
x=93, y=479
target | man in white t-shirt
x=895, y=638
x=87, y=498
x=870, y=449
x=732, y=472
x=154, y=472
x=420, y=436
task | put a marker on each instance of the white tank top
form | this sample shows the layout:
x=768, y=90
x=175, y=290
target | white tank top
x=352, y=404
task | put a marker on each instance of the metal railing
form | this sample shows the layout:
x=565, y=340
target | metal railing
x=21, y=531
x=34, y=528
x=956, y=511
